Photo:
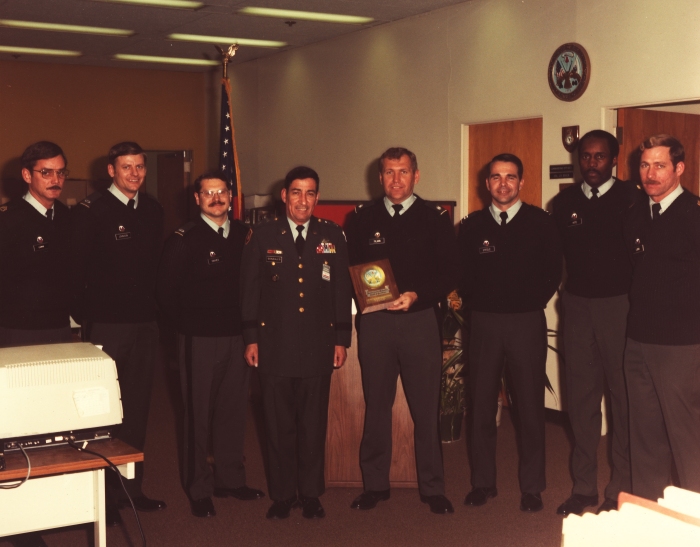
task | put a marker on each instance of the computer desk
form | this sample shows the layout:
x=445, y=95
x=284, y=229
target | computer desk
x=66, y=487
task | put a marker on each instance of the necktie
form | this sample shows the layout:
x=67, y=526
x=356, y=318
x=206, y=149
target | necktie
x=504, y=218
x=299, y=241
x=132, y=204
x=656, y=211
x=397, y=209
x=49, y=214
x=221, y=232
x=594, y=194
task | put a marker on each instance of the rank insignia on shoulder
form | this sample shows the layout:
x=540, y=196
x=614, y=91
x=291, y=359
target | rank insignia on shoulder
x=248, y=235
x=182, y=230
x=3, y=208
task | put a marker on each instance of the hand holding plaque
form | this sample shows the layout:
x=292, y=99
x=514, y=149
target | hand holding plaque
x=374, y=285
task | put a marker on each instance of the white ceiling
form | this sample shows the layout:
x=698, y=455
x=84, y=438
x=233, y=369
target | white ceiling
x=216, y=18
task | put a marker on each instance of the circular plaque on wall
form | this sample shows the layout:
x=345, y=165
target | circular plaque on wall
x=569, y=71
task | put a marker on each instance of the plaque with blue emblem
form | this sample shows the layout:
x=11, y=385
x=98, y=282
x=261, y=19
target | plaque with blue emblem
x=568, y=72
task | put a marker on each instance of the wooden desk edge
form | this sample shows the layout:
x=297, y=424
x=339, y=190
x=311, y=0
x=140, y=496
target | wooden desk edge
x=64, y=459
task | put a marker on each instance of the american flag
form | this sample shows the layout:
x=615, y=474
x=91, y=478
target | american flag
x=228, y=155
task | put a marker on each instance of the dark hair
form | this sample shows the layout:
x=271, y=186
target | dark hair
x=42, y=150
x=676, y=151
x=508, y=158
x=300, y=173
x=396, y=154
x=125, y=149
x=613, y=145
x=207, y=176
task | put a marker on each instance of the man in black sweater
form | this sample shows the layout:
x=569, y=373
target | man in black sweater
x=595, y=304
x=198, y=291
x=116, y=240
x=34, y=249
x=418, y=239
x=662, y=356
x=512, y=267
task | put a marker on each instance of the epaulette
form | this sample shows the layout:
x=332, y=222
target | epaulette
x=435, y=206
x=329, y=222
x=91, y=199
x=182, y=230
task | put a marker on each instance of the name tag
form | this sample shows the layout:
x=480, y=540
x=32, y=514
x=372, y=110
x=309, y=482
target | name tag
x=273, y=258
x=40, y=247
x=487, y=250
x=213, y=259
x=122, y=236
x=326, y=273
x=377, y=241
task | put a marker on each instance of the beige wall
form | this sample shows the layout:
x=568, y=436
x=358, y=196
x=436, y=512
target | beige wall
x=87, y=109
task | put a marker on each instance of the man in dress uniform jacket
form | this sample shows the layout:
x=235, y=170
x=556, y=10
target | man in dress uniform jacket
x=512, y=267
x=662, y=355
x=116, y=245
x=595, y=304
x=296, y=306
x=199, y=293
x=34, y=254
x=418, y=239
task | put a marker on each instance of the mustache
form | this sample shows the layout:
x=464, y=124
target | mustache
x=55, y=187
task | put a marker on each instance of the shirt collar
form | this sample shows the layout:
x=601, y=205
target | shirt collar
x=668, y=200
x=121, y=197
x=214, y=226
x=586, y=188
x=293, y=227
x=406, y=204
x=29, y=198
x=511, y=211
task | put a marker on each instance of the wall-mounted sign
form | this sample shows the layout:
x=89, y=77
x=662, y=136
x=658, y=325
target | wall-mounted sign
x=563, y=171
x=569, y=71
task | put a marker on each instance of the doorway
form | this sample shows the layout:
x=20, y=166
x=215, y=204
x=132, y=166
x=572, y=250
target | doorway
x=485, y=140
x=168, y=180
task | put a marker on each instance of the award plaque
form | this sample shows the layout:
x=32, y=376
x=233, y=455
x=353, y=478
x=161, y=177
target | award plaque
x=374, y=285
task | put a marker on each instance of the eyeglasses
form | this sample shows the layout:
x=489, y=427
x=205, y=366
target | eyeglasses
x=212, y=193
x=48, y=173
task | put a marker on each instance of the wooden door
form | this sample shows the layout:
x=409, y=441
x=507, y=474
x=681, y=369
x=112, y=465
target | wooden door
x=638, y=124
x=520, y=137
x=172, y=190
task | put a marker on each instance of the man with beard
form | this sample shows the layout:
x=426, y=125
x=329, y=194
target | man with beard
x=34, y=248
x=116, y=240
x=512, y=267
x=595, y=304
x=662, y=355
x=198, y=291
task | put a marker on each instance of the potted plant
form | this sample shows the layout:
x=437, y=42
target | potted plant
x=452, y=388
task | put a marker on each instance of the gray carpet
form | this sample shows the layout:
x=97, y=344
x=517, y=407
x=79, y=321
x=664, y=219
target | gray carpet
x=403, y=520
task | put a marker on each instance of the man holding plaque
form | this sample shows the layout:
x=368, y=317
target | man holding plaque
x=296, y=308
x=417, y=238
x=512, y=267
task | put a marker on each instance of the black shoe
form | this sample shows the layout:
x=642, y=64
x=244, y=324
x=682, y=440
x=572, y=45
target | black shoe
x=369, y=499
x=479, y=496
x=608, y=505
x=243, y=493
x=312, y=508
x=576, y=504
x=438, y=504
x=143, y=504
x=531, y=503
x=280, y=509
x=112, y=516
x=203, y=508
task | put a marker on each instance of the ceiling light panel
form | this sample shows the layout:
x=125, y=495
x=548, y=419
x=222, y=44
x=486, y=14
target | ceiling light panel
x=177, y=4
x=226, y=40
x=164, y=60
x=56, y=27
x=39, y=51
x=306, y=15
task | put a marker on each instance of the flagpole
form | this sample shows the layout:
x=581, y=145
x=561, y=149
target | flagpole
x=226, y=57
